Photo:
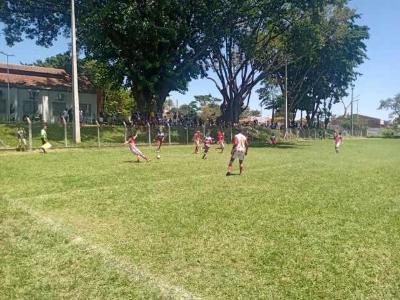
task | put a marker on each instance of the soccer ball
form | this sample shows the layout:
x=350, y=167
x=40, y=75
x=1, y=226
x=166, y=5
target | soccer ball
x=158, y=156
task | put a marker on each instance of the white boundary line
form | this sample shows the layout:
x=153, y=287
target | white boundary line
x=132, y=272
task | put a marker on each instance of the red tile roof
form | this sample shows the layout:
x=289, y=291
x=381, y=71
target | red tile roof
x=38, y=77
x=33, y=69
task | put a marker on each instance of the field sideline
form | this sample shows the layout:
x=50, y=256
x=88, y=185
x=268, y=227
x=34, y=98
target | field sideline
x=301, y=223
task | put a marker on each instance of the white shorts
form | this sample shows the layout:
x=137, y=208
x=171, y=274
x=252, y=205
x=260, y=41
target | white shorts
x=135, y=150
x=238, y=154
x=46, y=146
x=337, y=145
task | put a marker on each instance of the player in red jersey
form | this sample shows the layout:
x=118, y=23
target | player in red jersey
x=197, y=141
x=338, y=141
x=239, y=150
x=207, y=144
x=134, y=149
x=220, y=140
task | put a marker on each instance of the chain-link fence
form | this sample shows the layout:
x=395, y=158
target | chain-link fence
x=60, y=135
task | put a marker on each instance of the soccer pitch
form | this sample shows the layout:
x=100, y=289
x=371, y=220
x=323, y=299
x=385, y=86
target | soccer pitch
x=301, y=223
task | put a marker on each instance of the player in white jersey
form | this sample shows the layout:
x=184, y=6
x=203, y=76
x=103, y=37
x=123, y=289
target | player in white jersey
x=160, y=139
x=207, y=144
x=239, y=151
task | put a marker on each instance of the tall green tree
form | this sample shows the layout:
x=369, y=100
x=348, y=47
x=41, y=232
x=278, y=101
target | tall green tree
x=323, y=50
x=156, y=45
x=209, y=108
x=270, y=98
x=190, y=109
x=248, y=34
x=392, y=104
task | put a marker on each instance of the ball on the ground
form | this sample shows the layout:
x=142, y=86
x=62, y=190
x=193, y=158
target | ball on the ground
x=158, y=156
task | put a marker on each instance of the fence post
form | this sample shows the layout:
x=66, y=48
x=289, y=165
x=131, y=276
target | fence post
x=98, y=133
x=187, y=135
x=149, y=132
x=65, y=131
x=125, y=131
x=29, y=132
x=169, y=134
x=204, y=130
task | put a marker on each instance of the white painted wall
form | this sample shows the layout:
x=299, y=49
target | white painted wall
x=54, y=101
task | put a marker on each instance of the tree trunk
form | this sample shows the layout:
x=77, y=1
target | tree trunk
x=273, y=115
x=231, y=110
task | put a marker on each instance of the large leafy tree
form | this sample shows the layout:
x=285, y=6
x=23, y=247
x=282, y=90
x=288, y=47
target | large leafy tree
x=392, y=104
x=156, y=45
x=323, y=50
x=209, y=108
x=152, y=46
x=270, y=98
x=248, y=34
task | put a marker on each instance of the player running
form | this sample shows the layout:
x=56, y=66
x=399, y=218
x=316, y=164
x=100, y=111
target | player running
x=338, y=141
x=220, y=140
x=160, y=139
x=197, y=141
x=239, y=150
x=21, y=139
x=43, y=136
x=207, y=144
x=134, y=149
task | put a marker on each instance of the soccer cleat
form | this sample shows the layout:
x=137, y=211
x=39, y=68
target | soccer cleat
x=228, y=173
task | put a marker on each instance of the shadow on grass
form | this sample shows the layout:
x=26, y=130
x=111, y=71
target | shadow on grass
x=131, y=161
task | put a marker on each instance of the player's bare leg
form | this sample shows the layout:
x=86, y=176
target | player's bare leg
x=241, y=167
x=145, y=157
x=230, y=167
x=205, y=153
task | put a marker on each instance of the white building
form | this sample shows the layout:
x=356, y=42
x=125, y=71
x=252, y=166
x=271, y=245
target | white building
x=42, y=94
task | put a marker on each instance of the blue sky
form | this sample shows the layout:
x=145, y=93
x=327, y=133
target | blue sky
x=380, y=73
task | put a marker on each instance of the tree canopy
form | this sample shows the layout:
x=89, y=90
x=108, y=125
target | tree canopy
x=392, y=104
x=155, y=47
x=323, y=50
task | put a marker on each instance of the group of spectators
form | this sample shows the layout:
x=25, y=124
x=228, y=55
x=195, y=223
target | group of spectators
x=68, y=115
x=174, y=119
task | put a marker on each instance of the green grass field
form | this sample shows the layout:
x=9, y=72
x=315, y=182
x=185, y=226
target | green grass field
x=301, y=223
